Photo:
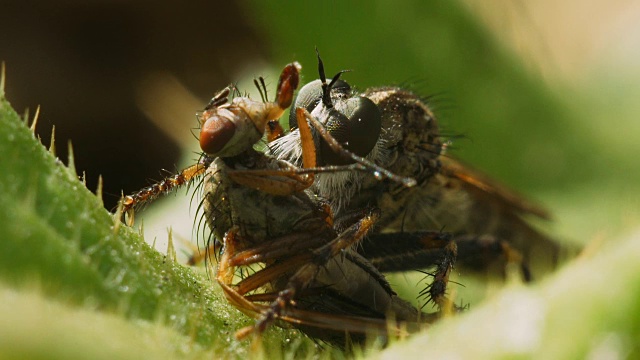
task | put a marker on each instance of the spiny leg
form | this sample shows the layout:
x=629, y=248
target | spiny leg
x=224, y=276
x=280, y=302
x=293, y=243
x=398, y=252
x=391, y=252
x=437, y=289
x=337, y=323
x=226, y=271
x=307, y=266
x=408, y=251
x=352, y=234
x=247, y=305
x=286, y=180
x=361, y=164
x=149, y=194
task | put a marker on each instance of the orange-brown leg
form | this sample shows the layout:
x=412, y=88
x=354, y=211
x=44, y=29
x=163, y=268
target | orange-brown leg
x=275, y=182
x=362, y=164
x=148, y=194
x=307, y=272
x=225, y=274
x=284, y=181
x=307, y=266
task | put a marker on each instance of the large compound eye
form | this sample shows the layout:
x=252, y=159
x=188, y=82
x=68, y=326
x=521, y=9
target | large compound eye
x=356, y=124
x=216, y=132
x=308, y=97
x=311, y=94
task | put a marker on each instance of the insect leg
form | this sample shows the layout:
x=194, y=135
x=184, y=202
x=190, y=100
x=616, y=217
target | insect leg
x=303, y=115
x=391, y=252
x=308, y=265
x=274, y=182
x=289, y=244
x=415, y=250
x=321, y=255
x=284, y=181
x=225, y=274
x=404, y=251
x=149, y=194
x=322, y=322
x=293, y=243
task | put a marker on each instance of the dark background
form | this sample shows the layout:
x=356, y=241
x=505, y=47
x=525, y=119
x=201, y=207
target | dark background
x=84, y=62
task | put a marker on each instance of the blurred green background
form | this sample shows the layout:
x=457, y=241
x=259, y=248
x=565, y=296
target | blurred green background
x=565, y=138
x=543, y=99
x=541, y=96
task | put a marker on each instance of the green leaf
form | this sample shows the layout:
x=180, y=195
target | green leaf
x=73, y=287
x=67, y=264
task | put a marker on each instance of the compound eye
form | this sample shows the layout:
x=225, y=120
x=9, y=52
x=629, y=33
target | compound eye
x=308, y=97
x=311, y=94
x=340, y=89
x=216, y=133
x=356, y=124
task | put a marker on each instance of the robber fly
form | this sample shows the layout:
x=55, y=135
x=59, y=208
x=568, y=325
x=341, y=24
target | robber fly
x=256, y=207
x=395, y=129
